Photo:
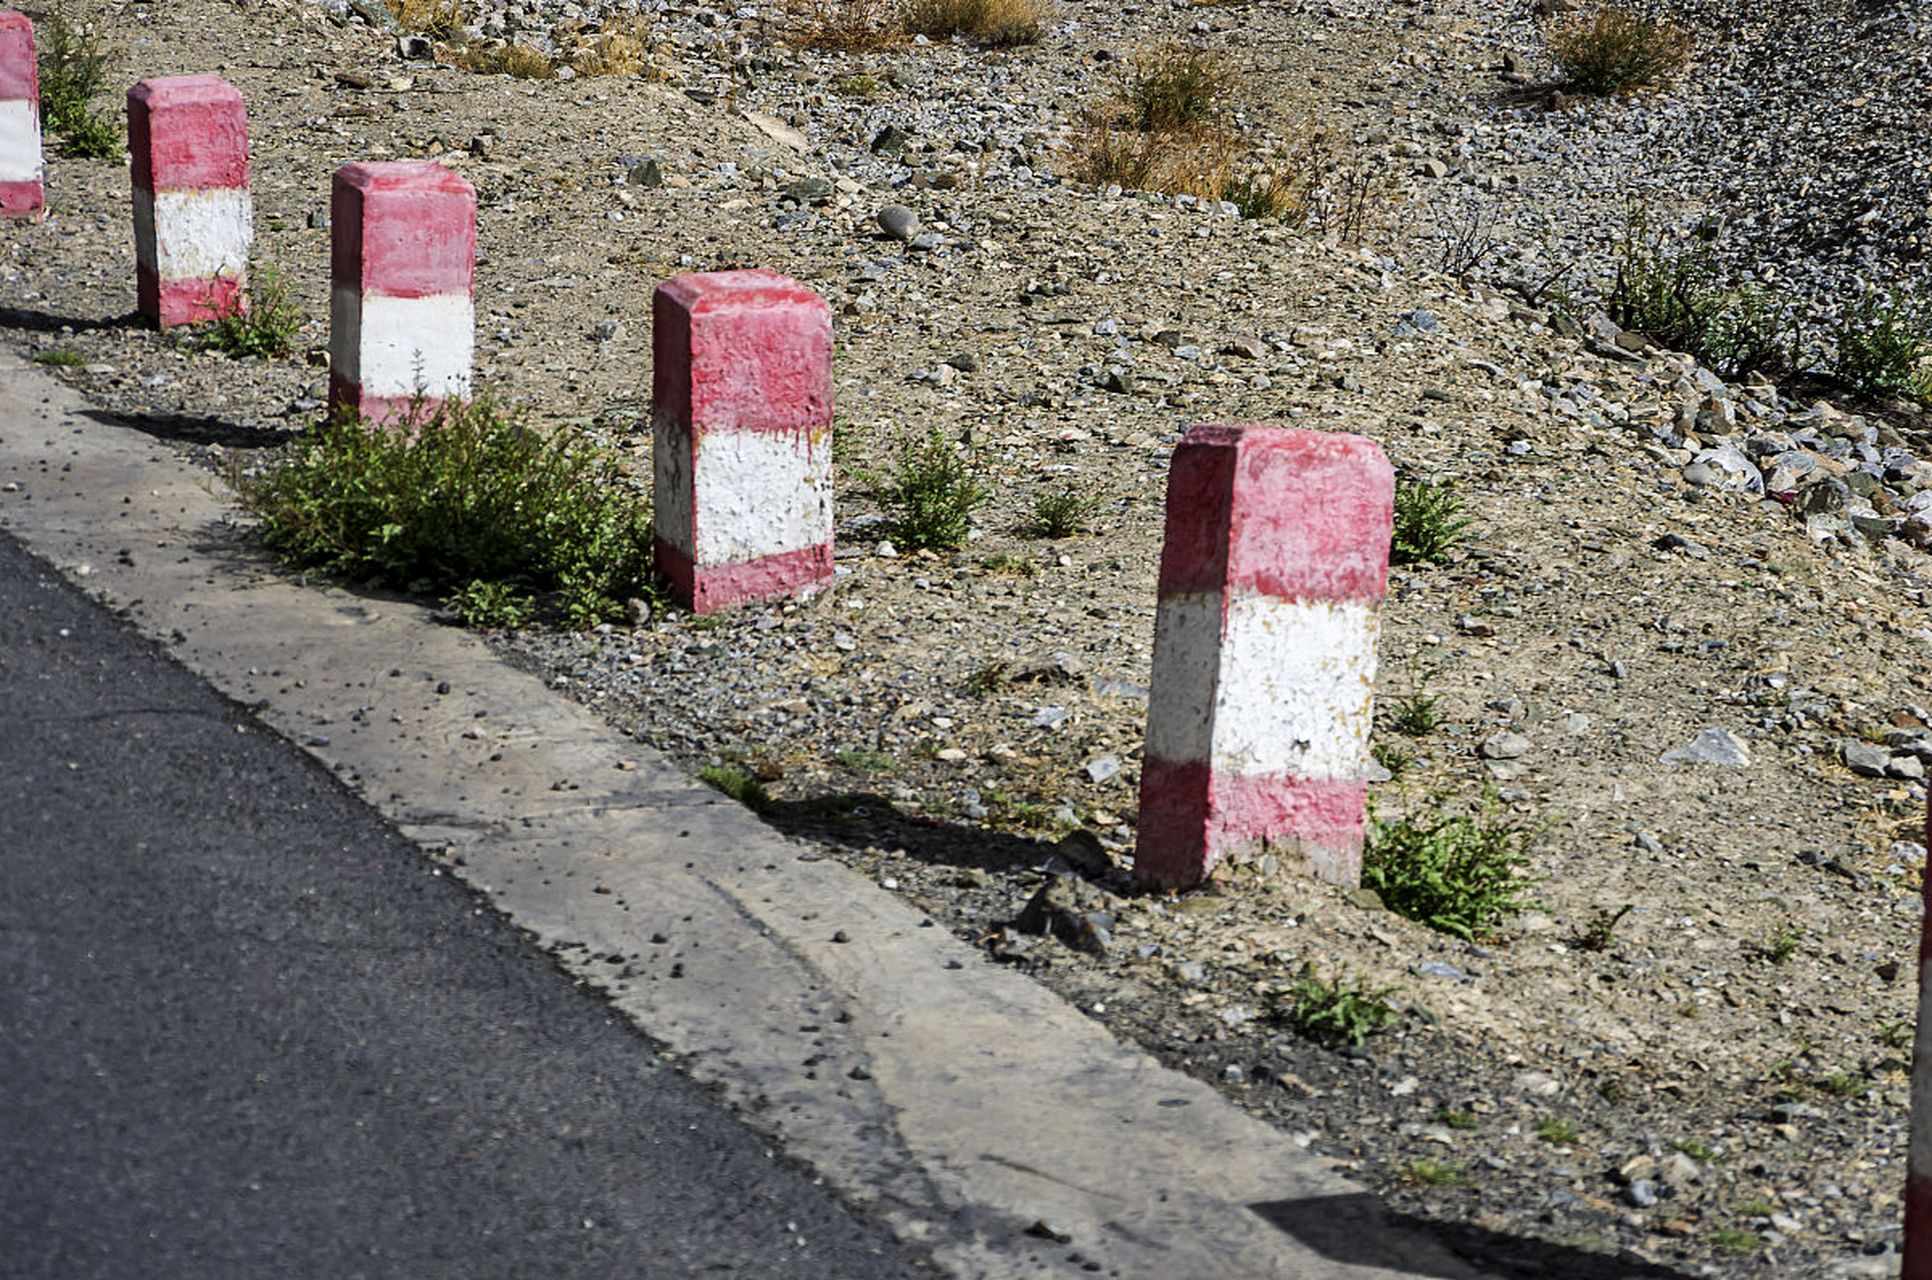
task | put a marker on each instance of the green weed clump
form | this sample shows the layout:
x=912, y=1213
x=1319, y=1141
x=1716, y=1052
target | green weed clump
x=73, y=69
x=267, y=326
x=1463, y=874
x=1881, y=348
x=60, y=358
x=1064, y=512
x=1428, y=521
x=465, y=502
x=1613, y=50
x=737, y=784
x=934, y=494
x=1335, y=1010
x=1676, y=295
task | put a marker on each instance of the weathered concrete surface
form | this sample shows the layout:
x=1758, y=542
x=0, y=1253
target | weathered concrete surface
x=953, y=1088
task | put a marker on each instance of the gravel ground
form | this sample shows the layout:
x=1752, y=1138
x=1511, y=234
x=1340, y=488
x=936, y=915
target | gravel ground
x=1718, y=1088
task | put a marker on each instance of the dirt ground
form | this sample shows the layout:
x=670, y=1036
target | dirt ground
x=1714, y=1084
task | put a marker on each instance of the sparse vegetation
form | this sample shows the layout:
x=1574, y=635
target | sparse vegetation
x=1175, y=86
x=1463, y=874
x=1880, y=348
x=1414, y=714
x=1611, y=49
x=738, y=784
x=621, y=48
x=507, y=59
x=468, y=502
x=1733, y=1240
x=934, y=494
x=488, y=606
x=1431, y=1172
x=1602, y=929
x=1782, y=943
x=265, y=326
x=1558, y=1133
x=996, y=24
x=1428, y=521
x=60, y=358
x=861, y=761
x=1701, y=1152
x=1394, y=757
x=844, y=26
x=1462, y=1120
x=1675, y=294
x=1063, y=512
x=73, y=68
x=1335, y=1010
x=437, y=19
x=863, y=87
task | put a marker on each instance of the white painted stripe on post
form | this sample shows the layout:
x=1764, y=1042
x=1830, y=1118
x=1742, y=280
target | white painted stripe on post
x=397, y=347
x=19, y=141
x=1284, y=687
x=1297, y=679
x=761, y=493
x=197, y=235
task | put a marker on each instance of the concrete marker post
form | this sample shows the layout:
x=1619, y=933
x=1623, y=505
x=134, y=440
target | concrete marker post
x=402, y=323
x=193, y=219
x=22, y=194
x=741, y=437
x=1917, y=1245
x=1272, y=574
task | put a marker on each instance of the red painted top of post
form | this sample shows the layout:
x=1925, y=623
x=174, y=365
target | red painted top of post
x=745, y=350
x=403, y=228
x=1306, y=514
x=18, y=78
x=187, y=133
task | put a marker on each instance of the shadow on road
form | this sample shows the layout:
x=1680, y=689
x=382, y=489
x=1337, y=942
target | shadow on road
x=45, y=322
x=1360, y=1230
x=190, y=428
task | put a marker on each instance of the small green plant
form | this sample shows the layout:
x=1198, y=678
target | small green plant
x=1842, y=1084
x=1698, y=1151
x=1754, y=1208
x=1612, y=1090
x=490, y=605
x=737, y=784
x=1063, y=513
x=1782, y=943
x=1431, y=1172
x=1613, y=50
x=1394, y=757
x=60, y=358
x=1172, y=86
x=1463, y=874
x=1428, y=521
x=996, y=24
x=1415, y=713
x=458, y=494
x=1558, y=1133
x=73, y=69
x=1005, y=562
x=1675, y=294
x=1896, y=1035
x=1459, y=1119
x=864, y=87
x=1734, y=1240
x=1881, y=348
x=1602, y=929
x=1334, y=1010
x=934, y=495
x=266, y=326
x=860, y=761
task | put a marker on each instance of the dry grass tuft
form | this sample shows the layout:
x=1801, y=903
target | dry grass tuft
x=844, y=26
x=622, y=48
x=437, y=19
x=498, y=58
x=999, y=24
x=1612, y=50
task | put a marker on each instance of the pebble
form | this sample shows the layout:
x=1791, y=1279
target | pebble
x=898, y=222
x=1710, y=746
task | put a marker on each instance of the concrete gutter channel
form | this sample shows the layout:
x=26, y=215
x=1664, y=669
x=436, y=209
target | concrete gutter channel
x=960, y=1100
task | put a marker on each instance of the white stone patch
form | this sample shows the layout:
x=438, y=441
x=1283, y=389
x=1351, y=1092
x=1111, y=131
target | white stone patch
x=1187, y=659
x=1297, y=688
x=194, y=235
x=19, y=141
x=396, y=347
x=760, y=493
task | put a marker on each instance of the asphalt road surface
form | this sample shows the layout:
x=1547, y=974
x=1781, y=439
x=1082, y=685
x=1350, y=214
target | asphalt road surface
x=245, y=1032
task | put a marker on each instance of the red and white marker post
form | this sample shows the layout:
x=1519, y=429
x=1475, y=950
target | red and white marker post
x=1272, y=575
x=21, y=192
x=1918, y=1158
x=741, y=437
x=193, y=222
x=402, y=325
